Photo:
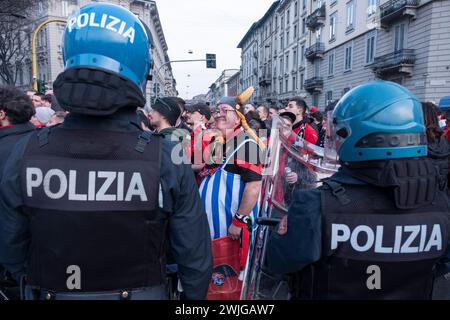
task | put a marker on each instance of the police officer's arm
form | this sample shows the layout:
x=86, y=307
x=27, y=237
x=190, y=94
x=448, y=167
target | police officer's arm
x=301, y=245
x=14, y=235
x=189, y=235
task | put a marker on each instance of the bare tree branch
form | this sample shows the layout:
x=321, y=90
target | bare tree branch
x=15, y=17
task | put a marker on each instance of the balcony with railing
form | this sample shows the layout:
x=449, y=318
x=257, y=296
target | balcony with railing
x=393, y=10
x=316, y=19
x=317, y=50
x=314, y=84
x=398, y=62
x=265, y=79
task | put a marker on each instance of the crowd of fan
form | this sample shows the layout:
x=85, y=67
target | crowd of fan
x=177, y=120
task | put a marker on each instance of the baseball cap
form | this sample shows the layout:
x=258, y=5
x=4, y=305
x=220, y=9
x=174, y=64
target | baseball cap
x=231, y=101
x=201, y=108
x=168, y=108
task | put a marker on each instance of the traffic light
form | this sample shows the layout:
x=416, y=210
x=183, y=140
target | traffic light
x=210, y=61
x=42, y=87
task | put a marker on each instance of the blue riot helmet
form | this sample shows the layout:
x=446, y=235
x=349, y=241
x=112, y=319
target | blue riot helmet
x=377, y=121
x=107, y=57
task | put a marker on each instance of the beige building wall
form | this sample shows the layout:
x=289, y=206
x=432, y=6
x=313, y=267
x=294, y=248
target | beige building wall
x=49, y=51
x=348, y=43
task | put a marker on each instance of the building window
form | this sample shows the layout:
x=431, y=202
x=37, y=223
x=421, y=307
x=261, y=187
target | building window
x=302, y=79
x=282, y=22
x=328, y=97
x=350, y=15
x=281, y=66
x=287, y=62
x=276, y=22
x=315, y=99
x=295, y=32
x=302, y=57
x=370, y=47
x=294, y=83
x=64, y=8
x=281, y=86
x=317, y=68
x=372, y=7
x=303, y=25
x=399, y=38
x=304, y=4
x=331, y=62
x=281, y=43
x=295, y=9
x=295, y=60
x=287, y=85
x=288, y=13
x=348, y=57
x=68, y=7
x=319, y=35
x=333, y=26
x=287, y=39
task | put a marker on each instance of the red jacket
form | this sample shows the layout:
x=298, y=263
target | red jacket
x=305, y=131
x=447, y=132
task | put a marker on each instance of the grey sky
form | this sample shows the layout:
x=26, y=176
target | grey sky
x=206, y=26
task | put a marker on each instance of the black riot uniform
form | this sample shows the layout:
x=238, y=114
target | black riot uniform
x=354, y=240
x=86, y=208
x=100, y=203
x=379, y=227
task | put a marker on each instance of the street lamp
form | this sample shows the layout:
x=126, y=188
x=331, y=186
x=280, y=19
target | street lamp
x=33, y=48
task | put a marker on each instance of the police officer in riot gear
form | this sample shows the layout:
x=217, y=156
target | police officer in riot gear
x=378, y=227
x=86, y=207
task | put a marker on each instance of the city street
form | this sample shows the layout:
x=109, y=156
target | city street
x=246, y=152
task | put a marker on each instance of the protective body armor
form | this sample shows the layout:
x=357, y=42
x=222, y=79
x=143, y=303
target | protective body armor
x=93, y=207
x=373, y=250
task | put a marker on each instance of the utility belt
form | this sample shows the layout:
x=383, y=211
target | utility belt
x=149, y=293
x=170, y=291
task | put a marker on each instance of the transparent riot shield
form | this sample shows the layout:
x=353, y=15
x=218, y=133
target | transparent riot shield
x=291, y=164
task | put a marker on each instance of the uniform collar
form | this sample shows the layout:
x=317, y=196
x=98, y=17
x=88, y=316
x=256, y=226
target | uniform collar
x=345, y=178
x=14, y=129
x=121, y=121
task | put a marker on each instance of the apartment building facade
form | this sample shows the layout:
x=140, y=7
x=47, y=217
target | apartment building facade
x=49, y=47
x=225, y=85
x=272, y=53
x=350, y=42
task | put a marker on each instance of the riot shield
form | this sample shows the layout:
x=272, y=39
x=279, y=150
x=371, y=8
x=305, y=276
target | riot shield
x=291, y=164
